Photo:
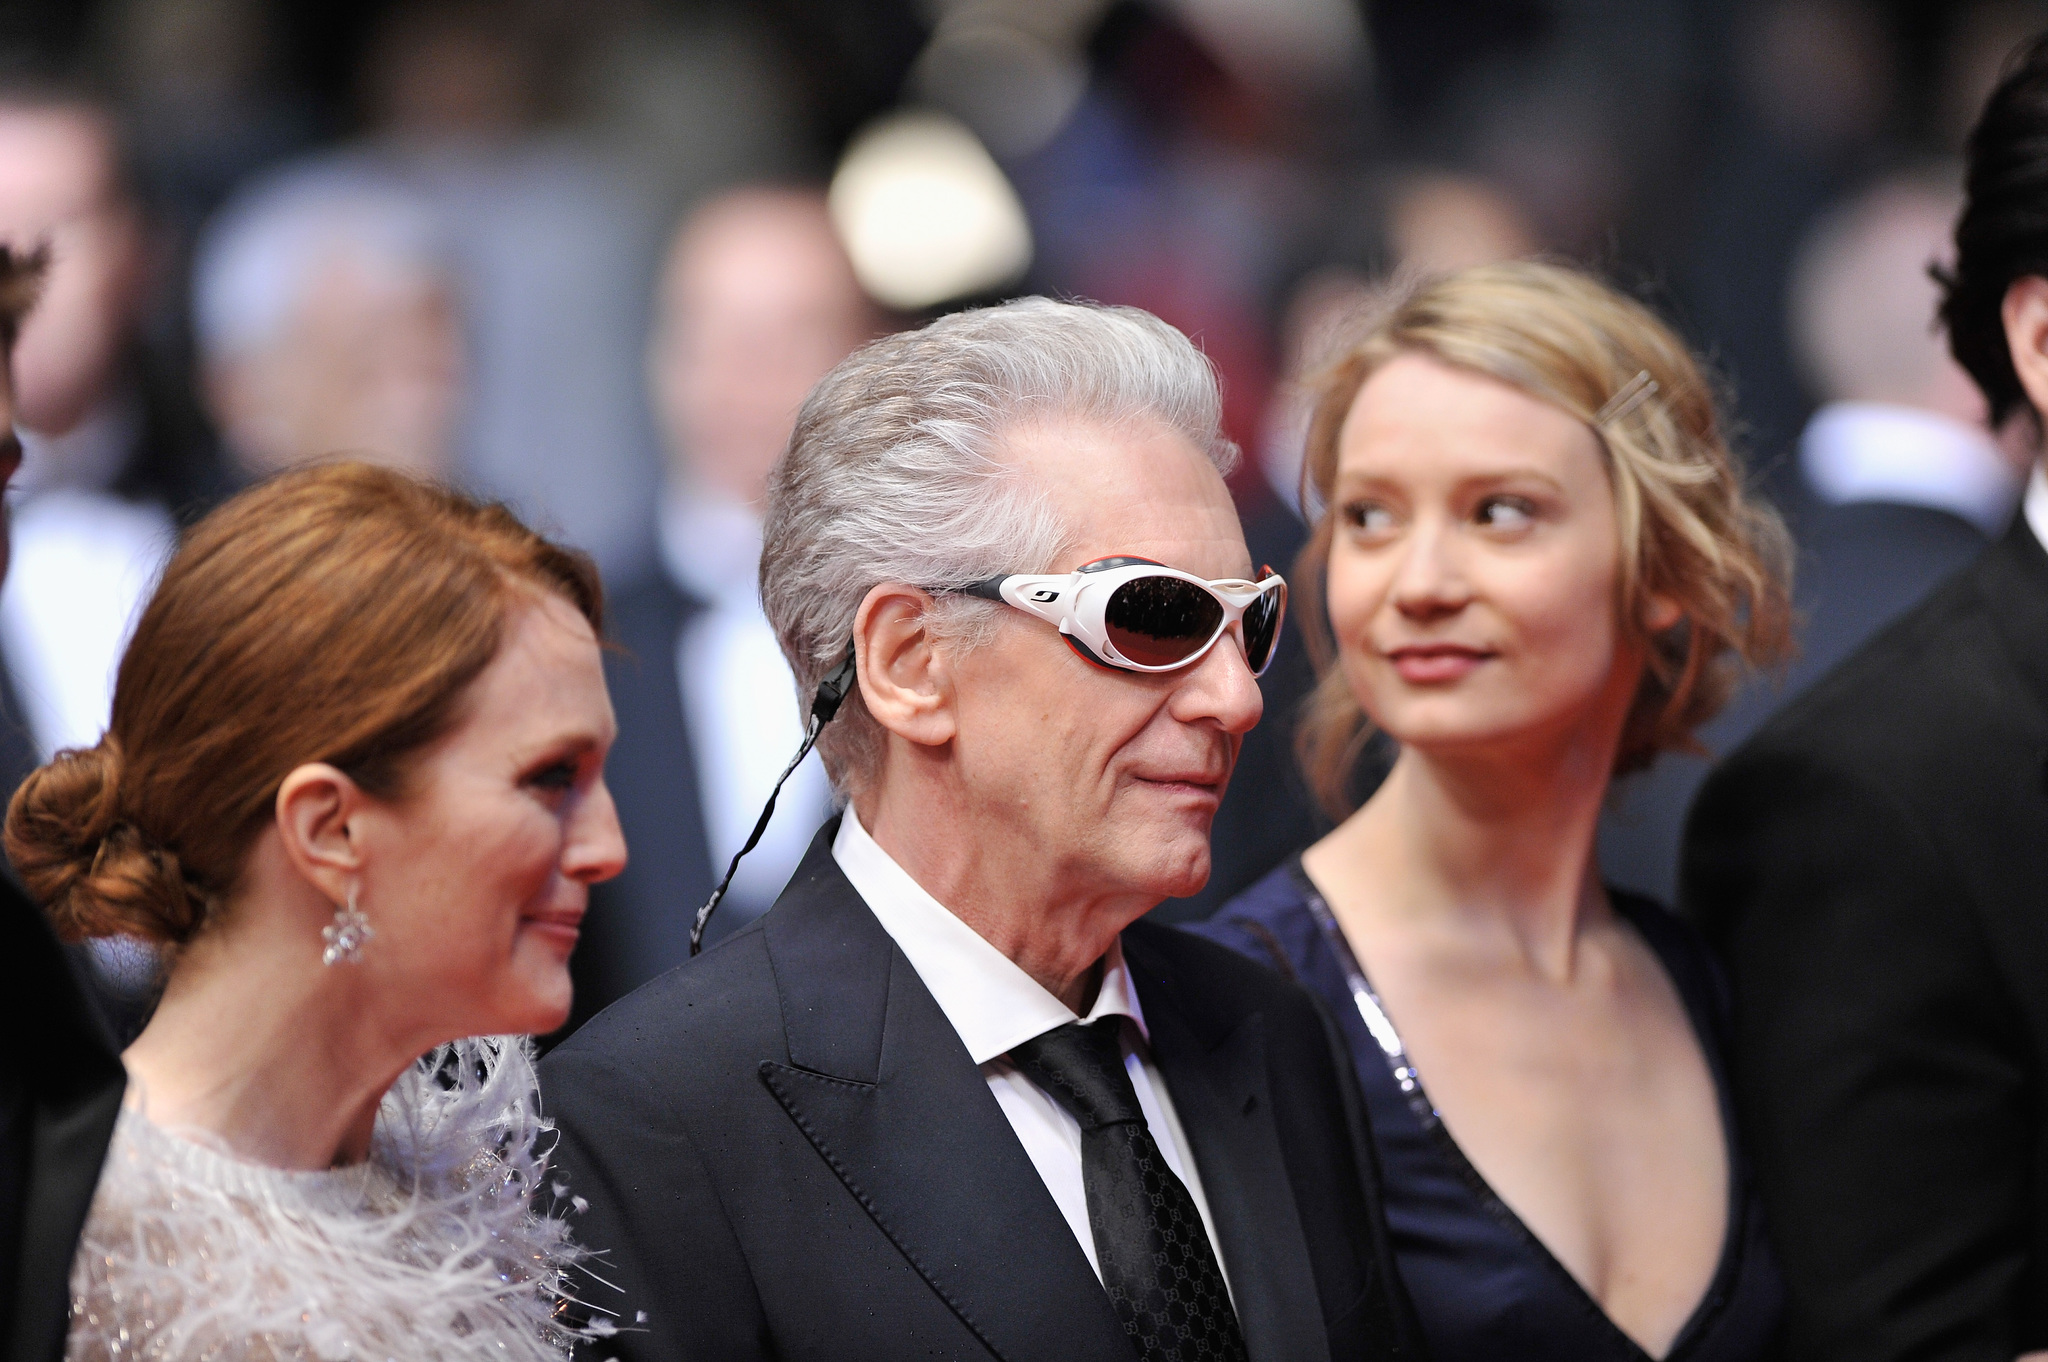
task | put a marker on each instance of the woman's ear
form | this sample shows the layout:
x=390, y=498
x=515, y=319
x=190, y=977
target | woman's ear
x=1660, y=612
x=2026, y=335
x=904, y=680
x=316, y=807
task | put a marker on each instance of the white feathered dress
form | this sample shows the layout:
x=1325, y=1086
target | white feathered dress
x=428, y=1250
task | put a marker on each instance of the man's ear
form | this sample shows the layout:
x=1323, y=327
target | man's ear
x=317, y=807
x=904, y=679
x=2026, y=335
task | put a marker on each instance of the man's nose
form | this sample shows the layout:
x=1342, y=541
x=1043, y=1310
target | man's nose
x=1221, y=688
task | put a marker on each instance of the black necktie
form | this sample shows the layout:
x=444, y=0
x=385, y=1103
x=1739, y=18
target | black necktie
x=1157, y=1265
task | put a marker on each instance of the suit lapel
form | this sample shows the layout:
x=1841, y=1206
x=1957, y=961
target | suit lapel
x=1216, y=1072
x=880, y=1084
x=72, y=1086
x=2013, y=578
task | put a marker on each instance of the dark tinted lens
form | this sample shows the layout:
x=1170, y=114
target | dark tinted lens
x=1158, y=621
x=1261, y=628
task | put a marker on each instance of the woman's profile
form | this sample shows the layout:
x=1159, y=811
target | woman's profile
x=353, y=791
x=1540, y=564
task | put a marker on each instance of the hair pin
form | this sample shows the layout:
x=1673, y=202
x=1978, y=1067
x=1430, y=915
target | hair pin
x=1633, y=394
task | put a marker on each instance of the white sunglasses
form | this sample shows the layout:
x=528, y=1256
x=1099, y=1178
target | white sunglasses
x=1140, y=616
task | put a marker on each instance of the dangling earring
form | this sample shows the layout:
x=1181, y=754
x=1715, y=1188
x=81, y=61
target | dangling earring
x=346, y=934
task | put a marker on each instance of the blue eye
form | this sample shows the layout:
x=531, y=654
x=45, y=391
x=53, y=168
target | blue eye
x=1369, y=517
x=1506, y=513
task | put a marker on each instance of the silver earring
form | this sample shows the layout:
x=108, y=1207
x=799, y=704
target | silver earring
x=346, y=934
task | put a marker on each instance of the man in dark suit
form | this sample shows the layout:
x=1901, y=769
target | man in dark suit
x=1875, y=865
x=949, y=1097
x=60, y=1081
x=755, y=302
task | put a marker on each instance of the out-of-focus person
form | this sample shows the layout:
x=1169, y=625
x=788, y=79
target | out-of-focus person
x=354, y=791
x=1901, y=483
x=60, y=1080
x=551, y=245
x=755, y=302
x=1912, y=483
x=950, y=1095
x=1540, y=565
x=1874, y=864
x=327, y=322
x=112, y=453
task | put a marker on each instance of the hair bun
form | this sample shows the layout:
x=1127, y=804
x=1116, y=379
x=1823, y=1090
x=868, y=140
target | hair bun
x=95, y=873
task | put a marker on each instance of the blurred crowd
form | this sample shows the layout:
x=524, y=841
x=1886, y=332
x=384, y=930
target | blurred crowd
x=588, y=258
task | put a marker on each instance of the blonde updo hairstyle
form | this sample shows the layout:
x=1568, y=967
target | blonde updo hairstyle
x=1690, y=532
x=337, y=614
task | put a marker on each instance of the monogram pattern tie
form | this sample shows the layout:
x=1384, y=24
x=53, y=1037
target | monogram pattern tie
x=1157, y=1264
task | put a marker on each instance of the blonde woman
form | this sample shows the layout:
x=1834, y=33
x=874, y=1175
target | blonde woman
x=1540, y=564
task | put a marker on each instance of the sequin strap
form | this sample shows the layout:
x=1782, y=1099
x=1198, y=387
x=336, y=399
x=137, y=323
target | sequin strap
x=1372, y=1012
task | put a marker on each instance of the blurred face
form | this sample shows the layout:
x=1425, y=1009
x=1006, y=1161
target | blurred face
x=1475, y=566
x=757, y=303
x=10, y=456
x=57, y=185
x=370, y=363
x=477, y=878
x=1114, y=775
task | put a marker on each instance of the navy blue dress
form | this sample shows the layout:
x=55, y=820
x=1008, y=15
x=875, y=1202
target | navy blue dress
x=1485, y=1288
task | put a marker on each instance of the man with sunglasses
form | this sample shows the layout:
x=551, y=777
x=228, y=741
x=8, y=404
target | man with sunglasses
x=950, y=1097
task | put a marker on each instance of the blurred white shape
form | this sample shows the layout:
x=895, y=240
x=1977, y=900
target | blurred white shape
x=84, y=565
x=1318, y=41
x=1012, y=87
x=926, y=214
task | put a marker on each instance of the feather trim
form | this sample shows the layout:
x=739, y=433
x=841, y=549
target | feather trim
x=428, y=1250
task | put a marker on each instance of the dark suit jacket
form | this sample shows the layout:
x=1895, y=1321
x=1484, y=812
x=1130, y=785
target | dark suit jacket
x=1861, y=566
x=1874, y=863
x=789, y=1154
x=60, y=1090
x=639, y=923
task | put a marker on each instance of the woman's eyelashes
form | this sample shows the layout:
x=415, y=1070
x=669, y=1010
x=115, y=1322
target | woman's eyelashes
x=1369, y=518
x=1504, y=512
x=1500, y=512
x=555, y=777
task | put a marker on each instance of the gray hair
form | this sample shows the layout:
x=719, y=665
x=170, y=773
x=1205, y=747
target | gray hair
x=892, y=473
x=265, y=249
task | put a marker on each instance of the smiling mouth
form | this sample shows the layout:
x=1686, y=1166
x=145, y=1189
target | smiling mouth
x=1435, y=663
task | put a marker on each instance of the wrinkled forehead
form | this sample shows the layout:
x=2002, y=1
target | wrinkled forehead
x=1132, y=487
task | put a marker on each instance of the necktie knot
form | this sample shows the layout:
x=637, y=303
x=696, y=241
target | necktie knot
x=1082, y=1068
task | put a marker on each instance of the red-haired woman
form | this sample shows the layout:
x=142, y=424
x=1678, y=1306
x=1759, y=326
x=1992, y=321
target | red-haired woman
x=353, y=789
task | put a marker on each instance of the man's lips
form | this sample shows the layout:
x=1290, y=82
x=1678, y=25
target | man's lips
x=1435, y=664
x=1207, y=783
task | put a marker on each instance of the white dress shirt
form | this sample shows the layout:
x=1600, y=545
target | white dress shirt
x=84, y=564
x=739, y=700
x=995, y=1006
x=1874, y=451
x=2036, y=506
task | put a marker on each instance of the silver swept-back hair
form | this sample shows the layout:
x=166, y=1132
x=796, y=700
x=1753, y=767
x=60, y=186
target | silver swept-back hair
x=893, y=473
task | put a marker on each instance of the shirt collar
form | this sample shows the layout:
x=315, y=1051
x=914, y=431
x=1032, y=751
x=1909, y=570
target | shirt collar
x=2037, y=501
x=991, y=1002
x=711, y=547
x=1874, y=451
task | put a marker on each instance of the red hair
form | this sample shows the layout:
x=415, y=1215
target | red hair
x=337, y=614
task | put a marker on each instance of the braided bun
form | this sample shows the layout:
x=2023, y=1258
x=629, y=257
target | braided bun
x=95, y=873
